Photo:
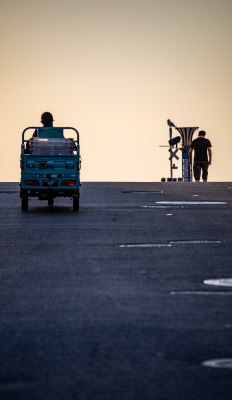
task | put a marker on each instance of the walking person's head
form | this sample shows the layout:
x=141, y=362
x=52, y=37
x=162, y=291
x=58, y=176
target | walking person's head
x=47, y=119
x=202, y=133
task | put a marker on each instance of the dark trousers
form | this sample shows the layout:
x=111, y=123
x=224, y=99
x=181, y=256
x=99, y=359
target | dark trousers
x=199, y=166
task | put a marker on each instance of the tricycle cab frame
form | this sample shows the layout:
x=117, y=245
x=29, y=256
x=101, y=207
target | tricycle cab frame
x=52, y=169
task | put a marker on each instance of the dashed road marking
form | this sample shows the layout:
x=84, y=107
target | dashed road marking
x=146, y=245
x=200, y=293
x=219, y=363
x=219, y=282
x=195, y=241
x=169, y=243
x=190, y=202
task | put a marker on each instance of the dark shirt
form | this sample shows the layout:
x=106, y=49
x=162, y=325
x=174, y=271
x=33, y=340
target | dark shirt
x=200, y=145
x=35, y=134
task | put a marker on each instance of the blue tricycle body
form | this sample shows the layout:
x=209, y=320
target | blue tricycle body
x=50, y=166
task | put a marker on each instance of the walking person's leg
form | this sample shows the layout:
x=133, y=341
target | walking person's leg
x=197, y=171
x=204, y=170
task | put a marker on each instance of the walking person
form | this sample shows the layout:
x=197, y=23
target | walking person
x=202, y=156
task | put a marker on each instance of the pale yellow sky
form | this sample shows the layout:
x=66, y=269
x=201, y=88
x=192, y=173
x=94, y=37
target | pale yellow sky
x=116, y=71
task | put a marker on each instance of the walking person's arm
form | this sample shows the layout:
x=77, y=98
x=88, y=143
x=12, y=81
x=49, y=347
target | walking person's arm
x=190, y=155
x=210, y=155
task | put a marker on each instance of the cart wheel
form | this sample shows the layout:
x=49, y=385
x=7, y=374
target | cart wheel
x=75, y=203
x=51, y=201
x=25, y=203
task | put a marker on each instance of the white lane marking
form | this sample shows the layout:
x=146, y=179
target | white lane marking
x=195, y=195
x=201, y=293
x=169, y=244
x=169, y=214
x=146, y=245
x=195, y=241
x=219, y=363
x=190, y=202
x=219, y=282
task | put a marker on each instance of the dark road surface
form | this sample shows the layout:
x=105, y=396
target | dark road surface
x=109, y=303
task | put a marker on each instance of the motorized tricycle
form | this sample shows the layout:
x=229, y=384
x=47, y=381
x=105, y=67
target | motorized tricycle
x=50, y=166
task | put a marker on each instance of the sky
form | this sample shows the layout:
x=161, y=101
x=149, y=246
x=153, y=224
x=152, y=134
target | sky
x=116, y=71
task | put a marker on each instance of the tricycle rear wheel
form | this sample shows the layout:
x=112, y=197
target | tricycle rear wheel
x=76, y=203
x=24, y=203
x=51, y=201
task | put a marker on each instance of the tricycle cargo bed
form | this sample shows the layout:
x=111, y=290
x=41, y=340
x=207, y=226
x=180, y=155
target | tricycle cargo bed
x=51, y=146
x=49, y=163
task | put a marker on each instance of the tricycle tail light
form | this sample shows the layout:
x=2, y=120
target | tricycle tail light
x=32, y=182
x=68, y=182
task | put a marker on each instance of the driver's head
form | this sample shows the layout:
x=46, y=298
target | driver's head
x=47, y=119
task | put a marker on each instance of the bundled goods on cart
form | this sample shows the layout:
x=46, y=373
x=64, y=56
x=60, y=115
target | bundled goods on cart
x=51, y=146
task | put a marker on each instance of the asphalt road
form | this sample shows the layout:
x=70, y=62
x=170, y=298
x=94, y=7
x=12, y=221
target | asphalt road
x=109, y=303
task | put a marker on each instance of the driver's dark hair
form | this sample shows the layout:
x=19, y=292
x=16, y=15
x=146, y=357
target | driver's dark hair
x=47, y=118
x=201, y=133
